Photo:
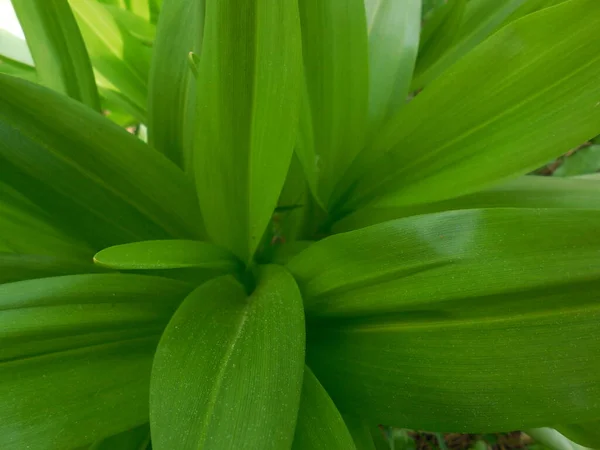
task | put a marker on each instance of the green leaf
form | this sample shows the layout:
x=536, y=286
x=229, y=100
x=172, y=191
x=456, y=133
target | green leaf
x=168, y=254
x=16, y=69
x=524, y=192
x=16, y=266
x=248, y=101
x=394, y=28
x=135, y=25
x=14, y=48
x=121, y=60
x=72, y=398
x=552, y=439
x=59, y=313
x=172, y=89
x=529, y=7
x=135, y=439
x=60, y=56
x=500, y=109
x=93, y=176
x=440, y=33
x=141, y=8
x=434, y=260
x=587, y=433
x=228, y=369
x=480, y=19
x=584, y=161
x=361, y=432
x=320, y=425
x=336, y=54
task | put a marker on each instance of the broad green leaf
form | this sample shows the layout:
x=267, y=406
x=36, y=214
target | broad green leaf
x=18, y=266
x=336, y=55
x=528, y=7
x=14, y=48
x=72, y=398
x=99, y=180
x=440, y=33
x=552, y=439
x=394, y=28
x=172, y=88
x=584, y=161
x=247, y=110
x=501, y=363
x=168, y=254
x=135, y=439
x=500, y=109
x=360, y=431
x=141, y=8
x=479, y=19
x=524, y=192
x=61, y=59
x=448, y=260
x=59, y=313
x=587, y=434
x=135, y=25
x=122, y=60
x=228, y=370
x=320, y=425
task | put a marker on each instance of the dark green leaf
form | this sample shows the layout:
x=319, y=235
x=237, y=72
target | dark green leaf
x=584, y=161
x=72, y=398
x=552, y=439
x=524, y=192
x=320, y=425
x=168, y=254
x=172, y=90
x=60, y=56
x=248, y=101
x=135, y=439
x=228, y=370
x=500, y=107
x=95, y=177
x=587, y=433
x=17, y=266
x=360, y=431
x=431, y=261
x=394, y=28
x=335, y=49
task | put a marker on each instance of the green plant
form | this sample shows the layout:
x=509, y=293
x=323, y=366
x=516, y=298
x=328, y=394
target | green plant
x=329, y=228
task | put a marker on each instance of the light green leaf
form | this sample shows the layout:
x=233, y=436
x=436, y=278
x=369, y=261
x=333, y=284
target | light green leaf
x=432, y=261
x=552, y=439
x=16, y=69
x=320, y=425
x=135, y=439
x=335, y=50
x=99, y=180
x=172, y=89
x=584, y=161
x=141, y=8
x=524, y=192
x=167, y=254
x=394, y=28
x=60, y=56
x=65, y=312
x=72, y=398
x=500, y=107
x=529, y=7
x=135, y=25
x=228, y=370
x=248, y=101
x=480, y=19
x=122, y=60
x=587, y=433
x=360, y=431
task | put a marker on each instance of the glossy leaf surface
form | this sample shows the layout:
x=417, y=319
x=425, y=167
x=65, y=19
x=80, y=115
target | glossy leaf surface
x=228, y=370
x=248, y=100
x=88, y=173
x=519, y=95
x=320, y=425
x=60, y=56
x=172, y=89
x=167, y=254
